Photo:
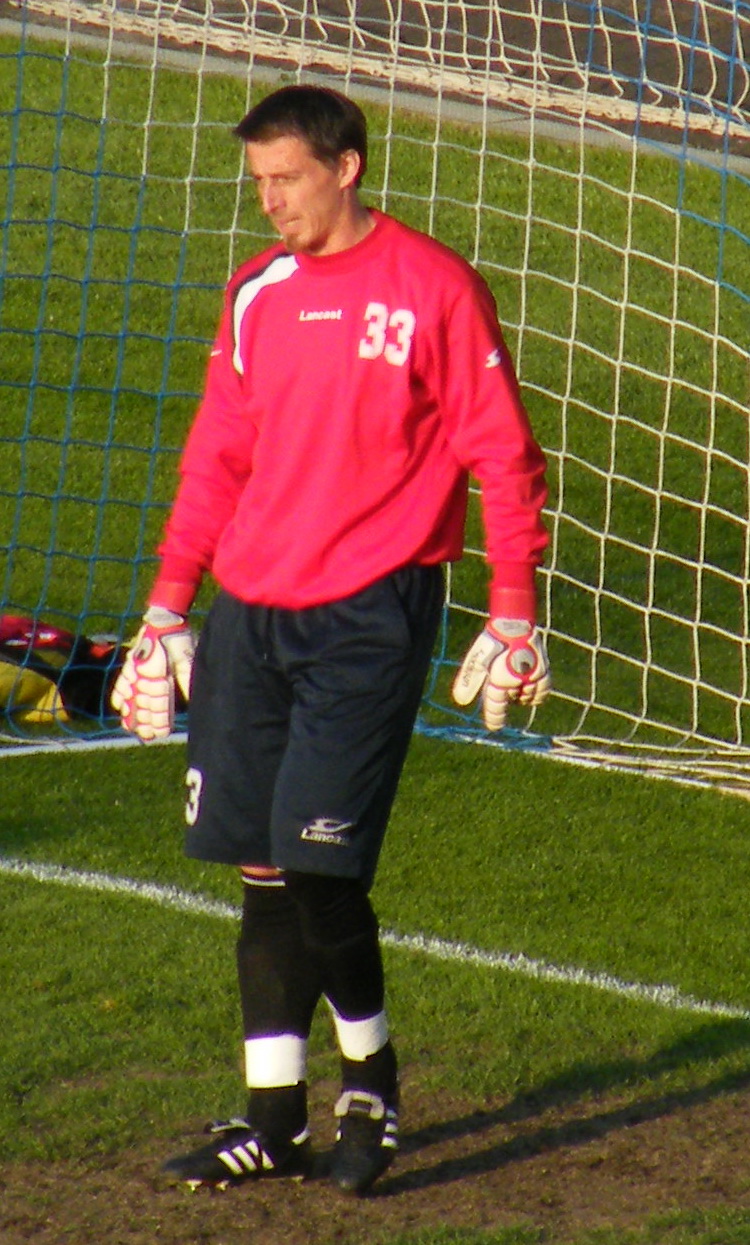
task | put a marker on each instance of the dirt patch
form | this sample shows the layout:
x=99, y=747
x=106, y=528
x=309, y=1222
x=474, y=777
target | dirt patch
x=564, y=1169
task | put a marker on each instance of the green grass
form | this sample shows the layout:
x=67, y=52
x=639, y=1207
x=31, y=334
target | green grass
x=119, y=234
x=121, y=1010
x=724, y=1228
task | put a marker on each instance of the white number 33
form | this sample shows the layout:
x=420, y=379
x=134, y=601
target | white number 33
x=388, y=333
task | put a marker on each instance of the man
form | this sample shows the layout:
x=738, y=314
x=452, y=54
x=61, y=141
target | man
x=358, y=374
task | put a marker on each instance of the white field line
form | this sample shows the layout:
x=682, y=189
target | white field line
x=173, y=898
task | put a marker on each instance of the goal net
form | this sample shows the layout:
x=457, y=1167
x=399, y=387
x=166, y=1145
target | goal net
x=592, y=160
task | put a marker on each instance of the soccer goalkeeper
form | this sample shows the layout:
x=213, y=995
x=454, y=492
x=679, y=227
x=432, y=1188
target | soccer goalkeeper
x=357, y=377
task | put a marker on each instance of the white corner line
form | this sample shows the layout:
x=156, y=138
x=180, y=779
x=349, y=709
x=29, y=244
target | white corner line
x=171, y=897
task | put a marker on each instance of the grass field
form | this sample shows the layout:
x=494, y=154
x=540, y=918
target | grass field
x=120, y=1020
x=565, y=1097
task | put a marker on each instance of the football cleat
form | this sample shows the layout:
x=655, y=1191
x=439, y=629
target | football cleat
x=237, y=1153
x=366, y=1140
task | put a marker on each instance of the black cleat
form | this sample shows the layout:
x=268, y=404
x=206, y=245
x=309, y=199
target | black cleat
x=239, y=1152
x=366, y=1141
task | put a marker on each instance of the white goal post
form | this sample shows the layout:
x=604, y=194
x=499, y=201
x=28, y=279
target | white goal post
x=591, y=159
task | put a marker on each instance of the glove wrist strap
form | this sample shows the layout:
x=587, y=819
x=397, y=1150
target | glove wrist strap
x=510, y=628
x=159, y=616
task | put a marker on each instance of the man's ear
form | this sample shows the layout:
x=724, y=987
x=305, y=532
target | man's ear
x=350, y=168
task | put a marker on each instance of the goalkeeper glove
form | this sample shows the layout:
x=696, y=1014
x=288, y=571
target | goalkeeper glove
x=160, y=658
x=507, y=661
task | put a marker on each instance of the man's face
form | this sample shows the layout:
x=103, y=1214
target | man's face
x=305, y=199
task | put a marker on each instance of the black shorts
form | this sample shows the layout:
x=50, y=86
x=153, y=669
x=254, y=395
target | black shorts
x=299, y=723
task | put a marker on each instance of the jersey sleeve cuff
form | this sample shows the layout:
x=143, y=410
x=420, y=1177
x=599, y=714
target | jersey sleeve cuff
x=172, y=595
x=513, y=592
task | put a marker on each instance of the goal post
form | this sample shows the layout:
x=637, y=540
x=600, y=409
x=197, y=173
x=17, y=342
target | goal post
x=593, y=162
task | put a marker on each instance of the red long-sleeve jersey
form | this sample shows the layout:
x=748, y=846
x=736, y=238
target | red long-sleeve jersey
x=347, y=398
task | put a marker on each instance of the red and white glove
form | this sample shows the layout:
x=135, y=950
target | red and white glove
x=161, y=657
x=507, y=661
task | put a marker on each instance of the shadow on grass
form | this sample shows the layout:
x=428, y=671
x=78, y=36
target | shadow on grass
x=706, y=1044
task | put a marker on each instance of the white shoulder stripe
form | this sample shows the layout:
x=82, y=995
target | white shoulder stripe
x=278, y=270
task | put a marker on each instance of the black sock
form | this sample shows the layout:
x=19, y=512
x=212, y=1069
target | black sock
x=279, y=989
x=279, y=1114
x=278, y=976
x=339, y=924
x=341, y=931
x=378, y=1074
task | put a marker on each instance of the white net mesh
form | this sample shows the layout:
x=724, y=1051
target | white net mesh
x=592, y=160
x=670, y=63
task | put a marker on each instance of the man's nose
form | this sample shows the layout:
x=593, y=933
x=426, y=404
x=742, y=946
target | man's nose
x=270, y=197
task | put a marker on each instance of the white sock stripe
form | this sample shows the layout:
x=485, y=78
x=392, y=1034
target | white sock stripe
x=358, y=1039
x=274, y=1061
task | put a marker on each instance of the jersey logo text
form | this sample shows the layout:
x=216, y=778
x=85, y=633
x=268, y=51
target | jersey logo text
x=321, y=315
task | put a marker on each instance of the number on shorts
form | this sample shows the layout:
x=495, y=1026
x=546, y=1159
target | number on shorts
x=194, y=783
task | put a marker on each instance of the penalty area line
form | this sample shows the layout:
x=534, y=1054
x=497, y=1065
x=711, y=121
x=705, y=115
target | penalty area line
x=174, y=899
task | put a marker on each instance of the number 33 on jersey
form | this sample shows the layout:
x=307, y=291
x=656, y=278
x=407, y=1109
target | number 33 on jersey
x=388, y=333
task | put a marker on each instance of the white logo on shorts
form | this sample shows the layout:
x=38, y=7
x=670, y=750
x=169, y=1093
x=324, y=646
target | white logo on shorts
x=327, y=830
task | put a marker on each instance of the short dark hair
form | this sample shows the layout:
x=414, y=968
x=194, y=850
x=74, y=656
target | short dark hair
x=325, y=119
